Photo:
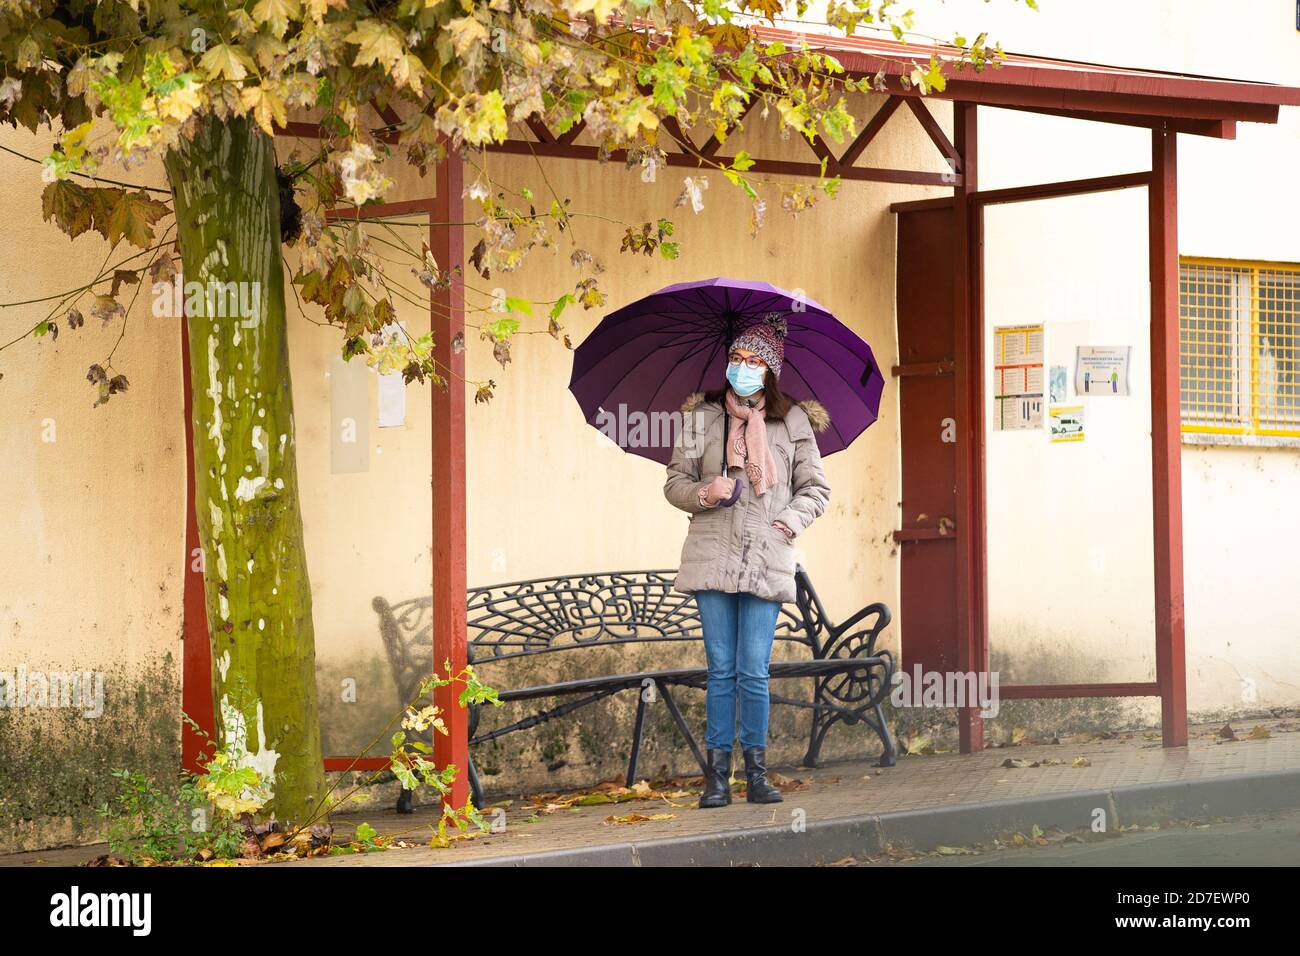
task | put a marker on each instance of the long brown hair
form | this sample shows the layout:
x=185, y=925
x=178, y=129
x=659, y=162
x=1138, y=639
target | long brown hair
x=777, y=403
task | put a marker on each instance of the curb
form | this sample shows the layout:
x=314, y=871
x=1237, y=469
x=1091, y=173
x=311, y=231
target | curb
x=827, y=841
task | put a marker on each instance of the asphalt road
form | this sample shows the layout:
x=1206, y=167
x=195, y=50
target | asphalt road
x=1267, y=840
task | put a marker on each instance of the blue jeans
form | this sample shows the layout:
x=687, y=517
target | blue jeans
x=738, y=633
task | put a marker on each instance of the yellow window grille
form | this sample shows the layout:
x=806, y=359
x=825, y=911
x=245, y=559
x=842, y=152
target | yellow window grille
x=1240, y=347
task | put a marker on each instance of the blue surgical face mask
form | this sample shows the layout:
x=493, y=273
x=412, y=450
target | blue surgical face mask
x=745, y=380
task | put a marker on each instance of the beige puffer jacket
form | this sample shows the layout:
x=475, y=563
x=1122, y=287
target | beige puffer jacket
x=736, y=548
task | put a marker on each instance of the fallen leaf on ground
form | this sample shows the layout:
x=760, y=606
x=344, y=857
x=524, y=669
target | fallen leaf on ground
x=639, y=817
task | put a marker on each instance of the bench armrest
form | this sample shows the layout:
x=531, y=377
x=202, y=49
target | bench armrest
x=862, y=640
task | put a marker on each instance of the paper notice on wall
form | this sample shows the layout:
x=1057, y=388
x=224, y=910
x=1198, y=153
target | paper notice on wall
x=392, y=400
x=1018, y=377
x=1065, y=423
x=1102, y=369
x=1056, y=384
x=392, y=386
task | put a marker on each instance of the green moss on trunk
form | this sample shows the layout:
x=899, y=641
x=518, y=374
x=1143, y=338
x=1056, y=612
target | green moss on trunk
x=246, y=486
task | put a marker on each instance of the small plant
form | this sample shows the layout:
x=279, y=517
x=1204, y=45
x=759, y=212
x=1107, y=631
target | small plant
x=409, y=760
x=147, y=824
x=213, y=815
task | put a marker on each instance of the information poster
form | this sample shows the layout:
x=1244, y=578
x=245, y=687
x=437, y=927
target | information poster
x=1065, y=423
x=1018, y=377
x=1102, y=370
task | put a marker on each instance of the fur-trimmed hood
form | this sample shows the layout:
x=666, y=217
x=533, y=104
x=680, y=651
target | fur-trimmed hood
x=818, y=417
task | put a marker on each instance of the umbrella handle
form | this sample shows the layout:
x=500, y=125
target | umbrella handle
x=735, y=494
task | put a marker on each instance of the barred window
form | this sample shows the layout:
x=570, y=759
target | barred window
x=1240, y=348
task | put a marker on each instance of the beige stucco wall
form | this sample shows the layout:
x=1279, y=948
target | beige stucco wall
x=93, y=525
x=90, y=575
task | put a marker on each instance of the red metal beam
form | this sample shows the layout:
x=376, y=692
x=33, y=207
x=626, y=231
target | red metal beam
x=775, y=166
x=1070, y=187
x=713, y=144
x=196, y=656
x=446, y=241
x=340, y=764
x=873, y=127
x=1166, y=439
x=968, y=319
x=1217, y=129
x=1057, y=691
x=920, y=205
x=936, y=134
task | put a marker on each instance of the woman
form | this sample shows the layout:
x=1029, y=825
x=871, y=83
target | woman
x=738, y=559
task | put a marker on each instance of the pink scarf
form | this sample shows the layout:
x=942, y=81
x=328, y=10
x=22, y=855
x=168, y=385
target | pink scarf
x=747, y=447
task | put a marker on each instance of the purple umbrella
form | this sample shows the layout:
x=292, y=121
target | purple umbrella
x=632, y=373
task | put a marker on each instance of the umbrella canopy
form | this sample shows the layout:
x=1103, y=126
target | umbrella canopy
x=632, y=373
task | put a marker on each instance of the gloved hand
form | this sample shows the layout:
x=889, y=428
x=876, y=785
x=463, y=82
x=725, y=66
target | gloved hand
x=720, y=489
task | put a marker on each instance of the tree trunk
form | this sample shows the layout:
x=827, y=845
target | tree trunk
x=245, y=474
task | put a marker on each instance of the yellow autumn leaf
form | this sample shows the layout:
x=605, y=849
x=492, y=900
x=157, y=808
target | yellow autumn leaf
x=639, y=114
x=601, y=9
x=377, y=43
x=226, y=62
x=409, y=71
x=316, y=9
x=266, y=107
x=180, y=103
x=276, y=14
x=610, y=76
x=467, y=32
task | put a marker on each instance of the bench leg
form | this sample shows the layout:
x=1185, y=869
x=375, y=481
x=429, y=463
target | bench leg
x=637, y=732
x=821, y=722
x=475, y=785
x=681, y=725
x=889, y=755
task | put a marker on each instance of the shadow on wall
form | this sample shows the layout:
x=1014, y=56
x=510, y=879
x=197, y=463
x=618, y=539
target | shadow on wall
x=55, y=762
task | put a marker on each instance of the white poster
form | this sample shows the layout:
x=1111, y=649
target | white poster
x=1102, y=369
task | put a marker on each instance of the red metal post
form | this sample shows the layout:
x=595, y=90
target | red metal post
x=968, y=319
x=446, y=241
x=1166, y=439
x=196, y=656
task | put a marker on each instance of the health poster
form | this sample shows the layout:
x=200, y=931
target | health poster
x=1018, y=376
x=1065, y=423
x=1102, y=369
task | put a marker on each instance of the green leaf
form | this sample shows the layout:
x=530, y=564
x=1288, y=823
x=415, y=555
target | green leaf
x=560, y=304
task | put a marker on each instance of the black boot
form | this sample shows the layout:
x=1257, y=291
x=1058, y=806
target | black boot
x=757, y=789
x=717, y=780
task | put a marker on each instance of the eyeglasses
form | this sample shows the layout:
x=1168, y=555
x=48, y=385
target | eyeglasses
x=753, y=361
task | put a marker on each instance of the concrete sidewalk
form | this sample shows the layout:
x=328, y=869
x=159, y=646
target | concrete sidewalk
x=852, y=808
x=856, y=809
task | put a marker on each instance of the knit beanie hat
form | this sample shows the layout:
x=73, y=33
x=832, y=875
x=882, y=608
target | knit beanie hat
x=766, y=339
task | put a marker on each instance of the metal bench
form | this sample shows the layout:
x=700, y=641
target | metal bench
x=562, y=614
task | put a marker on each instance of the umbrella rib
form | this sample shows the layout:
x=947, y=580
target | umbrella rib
x=836, y=373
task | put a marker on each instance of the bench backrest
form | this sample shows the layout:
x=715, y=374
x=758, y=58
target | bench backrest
x=546, y=615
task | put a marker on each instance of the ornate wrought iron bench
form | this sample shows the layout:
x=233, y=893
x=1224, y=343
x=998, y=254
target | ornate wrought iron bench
x=550, y=615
